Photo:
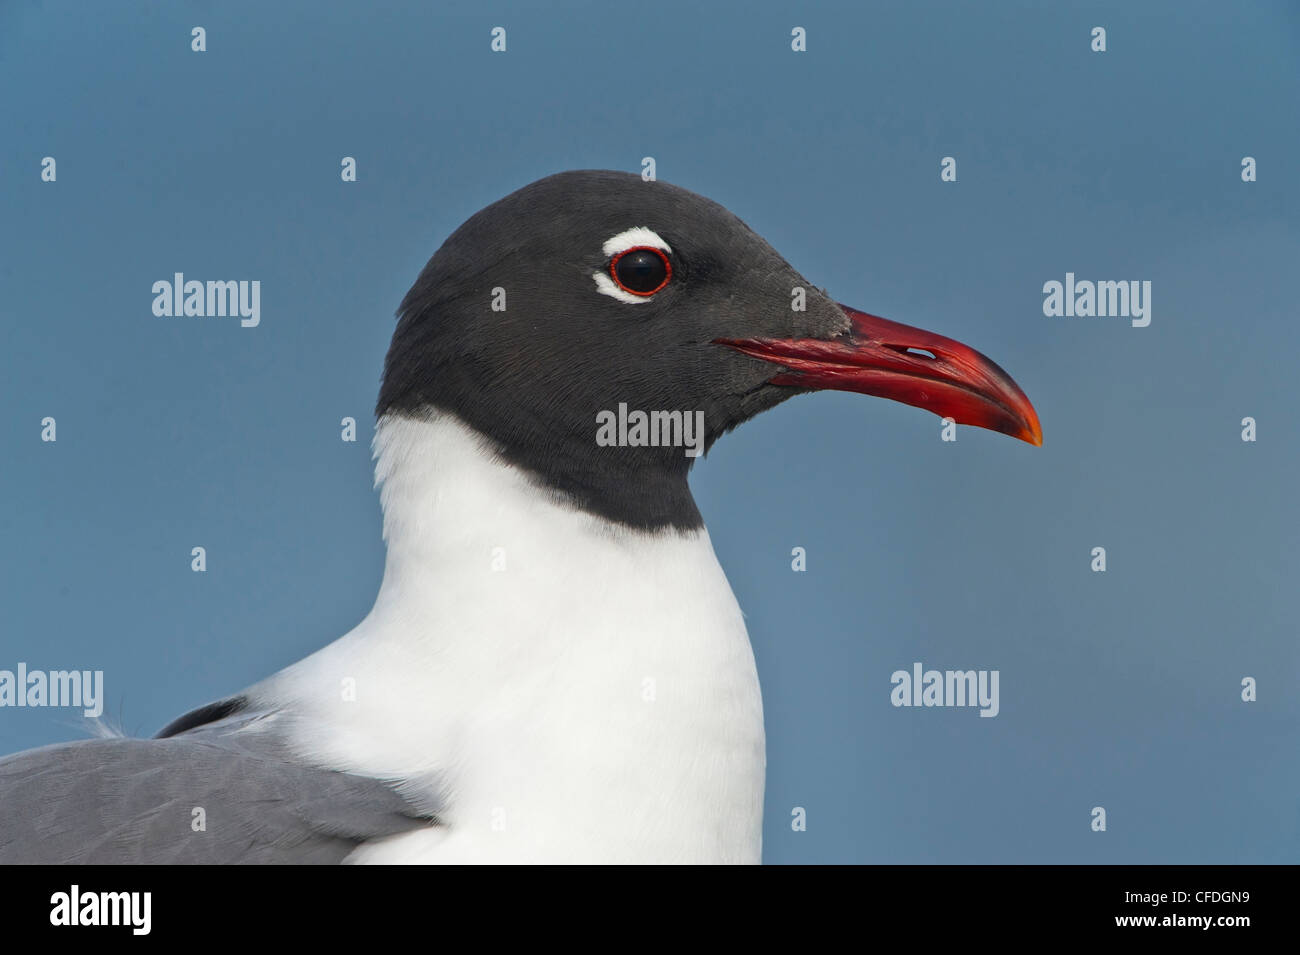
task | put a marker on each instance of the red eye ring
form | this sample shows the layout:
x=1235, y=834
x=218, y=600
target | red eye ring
x=668, y=270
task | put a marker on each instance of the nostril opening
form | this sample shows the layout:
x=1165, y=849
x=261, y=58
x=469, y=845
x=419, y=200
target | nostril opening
x=922, y=353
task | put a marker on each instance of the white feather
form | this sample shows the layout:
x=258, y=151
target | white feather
x=566, y=689
x=633, y=238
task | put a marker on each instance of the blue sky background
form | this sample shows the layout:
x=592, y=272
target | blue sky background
x=1119, y=689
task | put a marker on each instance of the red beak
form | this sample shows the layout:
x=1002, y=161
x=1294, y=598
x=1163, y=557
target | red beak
x=886, y=359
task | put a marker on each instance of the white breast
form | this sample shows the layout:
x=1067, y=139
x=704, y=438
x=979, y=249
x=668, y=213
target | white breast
x=566, y=689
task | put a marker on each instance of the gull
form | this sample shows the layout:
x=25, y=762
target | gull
x=555, y=669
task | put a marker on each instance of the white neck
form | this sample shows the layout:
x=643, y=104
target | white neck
x=563, y=688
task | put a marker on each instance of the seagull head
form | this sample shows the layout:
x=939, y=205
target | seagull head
x=589, y=292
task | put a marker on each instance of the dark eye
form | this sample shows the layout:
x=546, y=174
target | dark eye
x=641, y=270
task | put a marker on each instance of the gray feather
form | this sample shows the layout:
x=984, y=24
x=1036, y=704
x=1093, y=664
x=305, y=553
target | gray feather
x=113, y=801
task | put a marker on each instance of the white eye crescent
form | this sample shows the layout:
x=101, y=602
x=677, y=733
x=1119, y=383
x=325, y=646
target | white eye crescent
x=614, y=246
x=630, y=238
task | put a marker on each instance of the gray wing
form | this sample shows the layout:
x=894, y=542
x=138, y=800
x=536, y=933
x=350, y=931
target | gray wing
x=113, y=801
